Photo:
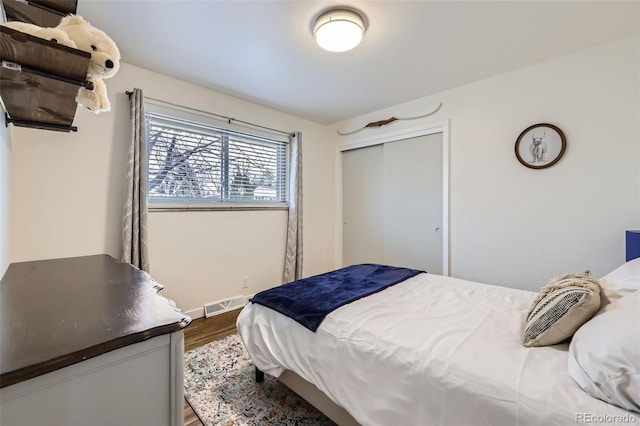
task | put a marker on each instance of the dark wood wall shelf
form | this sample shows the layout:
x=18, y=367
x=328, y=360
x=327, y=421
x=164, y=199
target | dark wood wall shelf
x=41, y=13
x=39, y=80
x=60, y=6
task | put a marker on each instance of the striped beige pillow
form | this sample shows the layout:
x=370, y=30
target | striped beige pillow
x=562, y=306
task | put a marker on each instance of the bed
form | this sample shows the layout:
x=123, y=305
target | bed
x=430, y=350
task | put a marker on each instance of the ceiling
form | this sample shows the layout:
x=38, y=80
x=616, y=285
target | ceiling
x=263, y=51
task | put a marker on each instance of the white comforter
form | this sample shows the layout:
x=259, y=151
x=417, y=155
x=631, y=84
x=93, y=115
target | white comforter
x=432, y=350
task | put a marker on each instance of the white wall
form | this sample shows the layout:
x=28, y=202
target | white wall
x=518, y=227
x=5, y=151
x=67, y=192
x=509, y=225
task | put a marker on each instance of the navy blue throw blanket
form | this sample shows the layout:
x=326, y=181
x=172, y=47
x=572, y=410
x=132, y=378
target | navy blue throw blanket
x=311, y=299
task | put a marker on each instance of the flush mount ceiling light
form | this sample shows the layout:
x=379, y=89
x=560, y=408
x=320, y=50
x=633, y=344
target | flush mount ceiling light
x=339, y=29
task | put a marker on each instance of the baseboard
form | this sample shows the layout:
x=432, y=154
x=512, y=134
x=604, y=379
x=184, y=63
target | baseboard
x=199, y=312
x=195, y=313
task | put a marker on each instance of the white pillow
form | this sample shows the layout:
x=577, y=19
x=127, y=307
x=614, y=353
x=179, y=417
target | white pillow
x=620, y=282
x=604, y=354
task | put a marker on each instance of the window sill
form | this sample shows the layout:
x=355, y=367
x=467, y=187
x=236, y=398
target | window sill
x=168, y=208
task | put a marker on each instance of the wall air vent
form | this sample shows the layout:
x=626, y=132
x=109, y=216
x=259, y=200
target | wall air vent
x=216, y=308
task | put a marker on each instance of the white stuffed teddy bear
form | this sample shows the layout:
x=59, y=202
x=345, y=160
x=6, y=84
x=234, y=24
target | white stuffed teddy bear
x=52, y=34
x=105, y=60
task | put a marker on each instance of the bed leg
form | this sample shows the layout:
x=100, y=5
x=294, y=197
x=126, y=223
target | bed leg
x=259, y=375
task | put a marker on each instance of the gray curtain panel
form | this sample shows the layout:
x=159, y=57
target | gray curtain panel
x=134, y=215
x=293, y=256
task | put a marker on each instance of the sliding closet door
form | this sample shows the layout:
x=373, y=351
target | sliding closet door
x=392, y=204
x=413, y=203
x=362, y=205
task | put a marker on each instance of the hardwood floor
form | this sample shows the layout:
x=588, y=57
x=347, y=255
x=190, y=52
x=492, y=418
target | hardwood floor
x=190, y=418
x=200, y=332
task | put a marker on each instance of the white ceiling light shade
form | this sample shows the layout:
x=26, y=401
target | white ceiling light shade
x=339, y=30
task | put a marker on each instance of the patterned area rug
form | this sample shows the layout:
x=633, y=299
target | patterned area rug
x=219, y=383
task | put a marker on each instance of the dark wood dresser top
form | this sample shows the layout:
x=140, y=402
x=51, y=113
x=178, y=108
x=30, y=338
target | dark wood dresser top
x=54, y=313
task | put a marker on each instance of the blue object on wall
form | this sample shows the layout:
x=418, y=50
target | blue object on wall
x=633, y=245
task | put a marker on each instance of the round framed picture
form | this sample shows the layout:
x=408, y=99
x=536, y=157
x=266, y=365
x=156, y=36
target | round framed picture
x=540, y=146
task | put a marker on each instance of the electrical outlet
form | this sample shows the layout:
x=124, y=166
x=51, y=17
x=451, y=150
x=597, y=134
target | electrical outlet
x=245, y=283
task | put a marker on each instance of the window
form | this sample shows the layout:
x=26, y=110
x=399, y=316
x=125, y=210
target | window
x=197, y=163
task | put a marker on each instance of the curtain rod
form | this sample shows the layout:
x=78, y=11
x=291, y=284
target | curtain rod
x=229, y=119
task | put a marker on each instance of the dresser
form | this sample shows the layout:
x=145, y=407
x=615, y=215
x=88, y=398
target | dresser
x=88, y=341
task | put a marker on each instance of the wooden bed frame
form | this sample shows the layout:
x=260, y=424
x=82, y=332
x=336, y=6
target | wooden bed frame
x=313, y=396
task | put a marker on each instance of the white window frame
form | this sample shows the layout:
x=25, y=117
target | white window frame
x=156, y=204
